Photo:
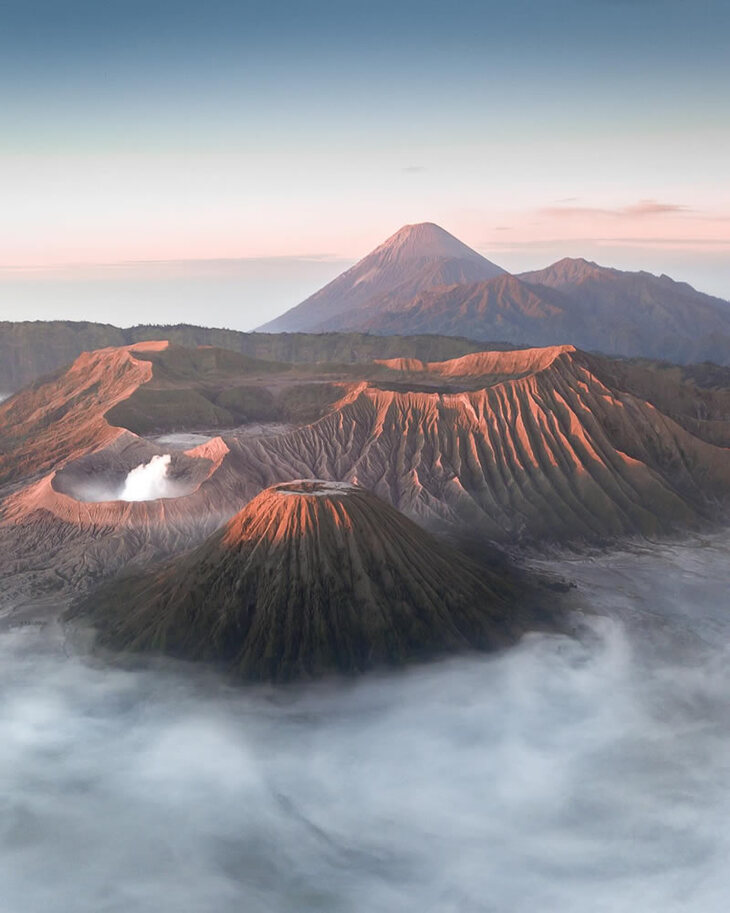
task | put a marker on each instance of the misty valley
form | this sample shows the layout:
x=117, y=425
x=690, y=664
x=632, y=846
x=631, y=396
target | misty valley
x=564, y=773
x=357, y=616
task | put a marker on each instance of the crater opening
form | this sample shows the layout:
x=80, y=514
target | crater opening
x=317, y=487
x=121, y=477
x=149, y=481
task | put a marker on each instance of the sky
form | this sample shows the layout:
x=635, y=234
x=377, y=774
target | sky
x=217, y=162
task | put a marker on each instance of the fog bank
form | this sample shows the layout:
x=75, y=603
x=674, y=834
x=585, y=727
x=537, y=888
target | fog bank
x=556, y=776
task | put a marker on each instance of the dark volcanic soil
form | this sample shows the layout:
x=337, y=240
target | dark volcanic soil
x=313, y=577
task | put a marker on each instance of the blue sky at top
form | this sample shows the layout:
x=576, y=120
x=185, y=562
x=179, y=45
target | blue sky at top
x=178, y=131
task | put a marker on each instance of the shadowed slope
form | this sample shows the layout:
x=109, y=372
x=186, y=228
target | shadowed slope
x=573, y=301
x=695, y=396
x=504, y=306
x=310, y=577
x=637, y=313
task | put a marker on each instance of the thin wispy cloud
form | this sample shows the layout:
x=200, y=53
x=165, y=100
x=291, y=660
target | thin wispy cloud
x=708, y=244
x=543, y=243
x=414, y=169
x=639, y=210
x=652, y=208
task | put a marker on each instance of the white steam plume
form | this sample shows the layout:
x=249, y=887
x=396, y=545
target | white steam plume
x=149, y=481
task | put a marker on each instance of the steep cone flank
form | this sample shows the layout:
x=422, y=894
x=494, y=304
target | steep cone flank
x=415, y=258
x=310, y=577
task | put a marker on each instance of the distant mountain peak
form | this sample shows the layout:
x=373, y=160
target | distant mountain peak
x=578, y=262
x=568, y=269
x=416, y=258
x=425, y=240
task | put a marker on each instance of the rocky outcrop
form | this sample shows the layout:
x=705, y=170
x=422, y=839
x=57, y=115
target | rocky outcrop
x=310, y=577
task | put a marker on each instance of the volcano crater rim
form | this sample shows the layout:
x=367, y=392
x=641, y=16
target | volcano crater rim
x=105, y=476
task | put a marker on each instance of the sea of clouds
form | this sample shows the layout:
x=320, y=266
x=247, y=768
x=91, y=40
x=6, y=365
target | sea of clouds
x=558, y=776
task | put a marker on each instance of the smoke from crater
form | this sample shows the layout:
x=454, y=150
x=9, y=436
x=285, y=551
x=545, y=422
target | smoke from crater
x=149, y=481
x=145, y=482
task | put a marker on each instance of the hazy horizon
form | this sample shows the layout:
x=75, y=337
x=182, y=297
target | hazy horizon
x=171, y=132
x=243, y=293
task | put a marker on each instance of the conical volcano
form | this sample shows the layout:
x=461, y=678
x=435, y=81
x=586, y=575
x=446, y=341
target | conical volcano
x=310, y=577
x=414, y=259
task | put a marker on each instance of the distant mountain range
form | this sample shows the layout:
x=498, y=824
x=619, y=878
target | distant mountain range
x=30, y=349
x=423, y=294
x=423, y=280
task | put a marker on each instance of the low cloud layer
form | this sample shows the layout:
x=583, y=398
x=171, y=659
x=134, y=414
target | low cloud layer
x=557, y=776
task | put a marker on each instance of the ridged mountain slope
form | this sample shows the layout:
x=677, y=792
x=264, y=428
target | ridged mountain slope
x=504, y=308
x=574, y=301
x=62, y=418
x=640, y=314
x=552, y=452
x=310, y=577
x=522, y=446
